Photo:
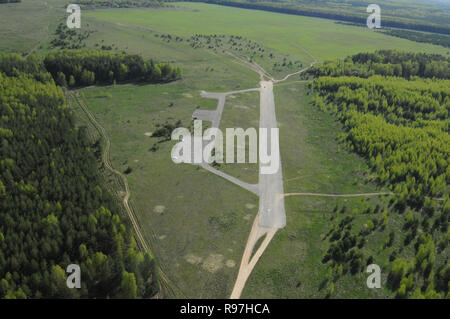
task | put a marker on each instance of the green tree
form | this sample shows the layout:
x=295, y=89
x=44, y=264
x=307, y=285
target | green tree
x=128, y=285
x=61, y=79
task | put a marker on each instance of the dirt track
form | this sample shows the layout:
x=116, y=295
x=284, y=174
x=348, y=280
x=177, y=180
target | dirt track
x=338, y=195
x=247, y=264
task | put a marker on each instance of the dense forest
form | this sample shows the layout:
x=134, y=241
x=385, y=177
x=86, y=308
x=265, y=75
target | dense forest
x=394, y=14
x=81, y=68
x=54, y=207
x=13, y=64
x=391, y=108
x=10, y=1
x=394, y=108
x=387, y=63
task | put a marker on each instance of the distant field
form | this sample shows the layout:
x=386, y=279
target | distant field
x=23, y=25
x=323, y=38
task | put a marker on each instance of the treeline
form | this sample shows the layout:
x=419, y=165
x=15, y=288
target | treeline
x=413, y=102
x=10, y=1
x=72, y=68
x=400, y=124
x=387, y=63
x=54, y=207
x=433, y=38
x=79, y=68
x=356, y=14
x=13, y=64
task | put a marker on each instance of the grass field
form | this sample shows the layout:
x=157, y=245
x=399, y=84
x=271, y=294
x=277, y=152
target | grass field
x=323, y=38
x=23, y=26
x=197, y=228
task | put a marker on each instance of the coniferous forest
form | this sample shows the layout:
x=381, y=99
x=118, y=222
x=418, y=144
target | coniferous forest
x=55, y=209
x=394, y=108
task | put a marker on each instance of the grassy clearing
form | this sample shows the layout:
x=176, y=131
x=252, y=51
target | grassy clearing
x=285, y=33
x=197, y=222
x=195, y=219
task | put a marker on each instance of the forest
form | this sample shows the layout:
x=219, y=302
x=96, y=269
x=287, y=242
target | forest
x=81, y=68
x=387, y=63
x=75, y=68
x=394, y=108
x=55, y=209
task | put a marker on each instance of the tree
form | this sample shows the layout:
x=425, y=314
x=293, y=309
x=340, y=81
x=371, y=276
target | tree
x=128, y=285
x=61, y=79
x=87, y=77
x=399, y=269
x=58, y=286
x=72, y=81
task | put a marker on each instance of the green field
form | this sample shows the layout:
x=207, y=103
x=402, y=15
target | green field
x=286, y=33
x=23, y=26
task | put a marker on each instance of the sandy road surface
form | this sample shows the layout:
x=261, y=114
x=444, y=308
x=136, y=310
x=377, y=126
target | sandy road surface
x=248, y=264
